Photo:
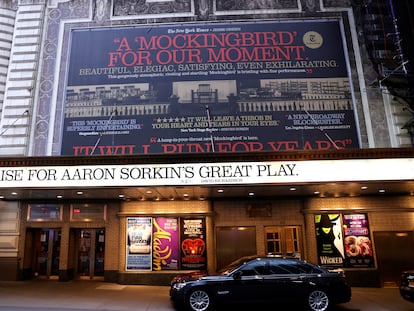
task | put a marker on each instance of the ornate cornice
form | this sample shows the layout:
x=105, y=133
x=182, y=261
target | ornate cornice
x=377, y=153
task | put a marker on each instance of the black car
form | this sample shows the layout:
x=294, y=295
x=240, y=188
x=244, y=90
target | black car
x=262, y=280
x=407, y=285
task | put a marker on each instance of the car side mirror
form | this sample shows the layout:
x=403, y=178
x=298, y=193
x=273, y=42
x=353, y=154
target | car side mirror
x=237, y=275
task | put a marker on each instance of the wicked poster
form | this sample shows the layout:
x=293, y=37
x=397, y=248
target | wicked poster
x=222, y=87
x=329, y=239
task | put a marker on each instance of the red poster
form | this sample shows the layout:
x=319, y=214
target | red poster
x=193, y=244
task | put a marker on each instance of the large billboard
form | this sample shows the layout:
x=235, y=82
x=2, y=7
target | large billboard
x=213, y=87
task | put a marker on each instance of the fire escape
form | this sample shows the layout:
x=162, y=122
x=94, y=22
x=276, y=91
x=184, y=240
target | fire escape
x=388, y=49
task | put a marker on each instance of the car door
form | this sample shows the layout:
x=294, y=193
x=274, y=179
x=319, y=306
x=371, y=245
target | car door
x=284, y=281
x=245, y=285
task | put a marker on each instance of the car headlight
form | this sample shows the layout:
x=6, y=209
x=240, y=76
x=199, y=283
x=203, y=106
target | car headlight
x=178, y=286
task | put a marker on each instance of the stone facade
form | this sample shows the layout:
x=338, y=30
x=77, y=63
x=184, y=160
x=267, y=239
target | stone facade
x=34, y=45
x=32, y=106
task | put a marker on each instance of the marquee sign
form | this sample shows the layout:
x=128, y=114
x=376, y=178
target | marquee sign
x=231, y=173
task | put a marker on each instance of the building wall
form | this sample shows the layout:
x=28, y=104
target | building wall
x=34, y=92
x=160, y=209
x=33, y=67
x=251, y=213
x=22, y=69
x=385, y=214
x=393, y=214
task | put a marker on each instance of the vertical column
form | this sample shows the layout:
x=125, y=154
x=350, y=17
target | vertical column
x=21, y=77
x=9, y=237
x=7, y=16
x=311, y=245
x=9, y=212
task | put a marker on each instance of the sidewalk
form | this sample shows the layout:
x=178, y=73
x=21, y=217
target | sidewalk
x=82, y=295
x=93, y=295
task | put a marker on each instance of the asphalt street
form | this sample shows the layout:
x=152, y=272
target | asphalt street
x=93, y=295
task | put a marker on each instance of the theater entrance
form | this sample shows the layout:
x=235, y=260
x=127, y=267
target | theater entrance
x=42, y=253
x=395, y=253
x=87, y=252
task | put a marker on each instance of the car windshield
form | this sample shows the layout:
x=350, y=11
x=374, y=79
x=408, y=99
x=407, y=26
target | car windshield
x=230, y=267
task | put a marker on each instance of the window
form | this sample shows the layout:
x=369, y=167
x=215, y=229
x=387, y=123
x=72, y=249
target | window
x=87, y=212
x=44, y=212
x=289, y=267
x=273, y=243
x=283, y=241
x=292, y=240
x=253, y=268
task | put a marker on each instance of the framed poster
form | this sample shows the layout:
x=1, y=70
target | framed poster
x=358, y=245
x=329, y=239
x=139, y=243
x=165, y=244
x=193, y=244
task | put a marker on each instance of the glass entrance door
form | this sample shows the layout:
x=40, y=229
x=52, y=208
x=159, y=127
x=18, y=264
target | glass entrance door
x=90, y=252
x=47, y=252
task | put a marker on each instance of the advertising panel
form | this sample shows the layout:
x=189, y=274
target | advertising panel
x=358, y=244
x=165, y=244
x=344, y=240
x=193, y=244
x=329, y=239
x=139, y=237
x=195, y=88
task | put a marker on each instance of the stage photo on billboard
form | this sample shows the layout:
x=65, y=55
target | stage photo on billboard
x=209, y=87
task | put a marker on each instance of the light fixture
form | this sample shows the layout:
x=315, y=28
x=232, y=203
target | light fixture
x=79, y=192
x=59, y=196
x=220, y=190
x=364, y=187
x=251, y=194
x=14, y=193
x=292, y=188
x=381, y=190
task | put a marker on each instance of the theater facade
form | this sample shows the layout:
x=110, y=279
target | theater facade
x=143, y=139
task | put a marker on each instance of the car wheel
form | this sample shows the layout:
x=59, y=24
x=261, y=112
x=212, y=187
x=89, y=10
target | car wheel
x=199, y=300
x=317, y=300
